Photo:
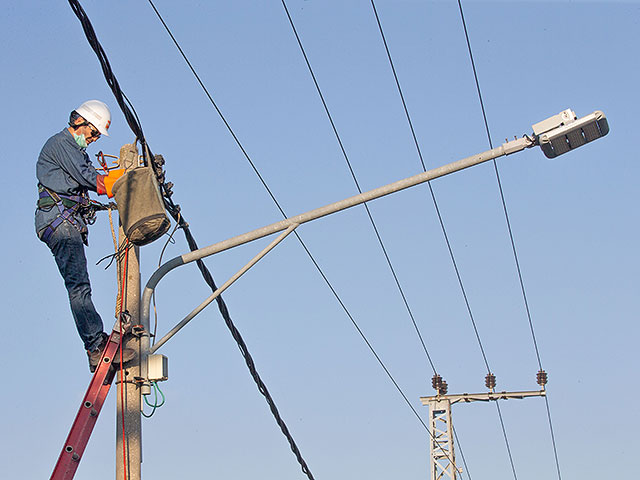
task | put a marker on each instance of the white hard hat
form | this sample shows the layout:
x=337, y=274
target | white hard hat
x=96, y=113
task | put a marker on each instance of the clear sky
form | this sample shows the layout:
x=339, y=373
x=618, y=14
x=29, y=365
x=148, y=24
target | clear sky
x=574, y=221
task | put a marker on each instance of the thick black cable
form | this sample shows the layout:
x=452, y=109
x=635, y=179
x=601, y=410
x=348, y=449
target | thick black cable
x=355, y=180
x=174, y=211
x=106, y=68
x=513, y=244
x=248, y=359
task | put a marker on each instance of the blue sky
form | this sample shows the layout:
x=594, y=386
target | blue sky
x=574, y=221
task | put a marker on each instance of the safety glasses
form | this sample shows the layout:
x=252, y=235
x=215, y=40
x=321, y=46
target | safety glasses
x=94, y=131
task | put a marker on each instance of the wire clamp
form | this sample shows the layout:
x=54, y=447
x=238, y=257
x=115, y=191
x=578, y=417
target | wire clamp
x=137, y=330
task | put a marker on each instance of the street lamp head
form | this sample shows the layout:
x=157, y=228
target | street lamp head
x=563, y=132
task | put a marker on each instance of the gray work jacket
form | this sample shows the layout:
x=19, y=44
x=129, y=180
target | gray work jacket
x=64, y=167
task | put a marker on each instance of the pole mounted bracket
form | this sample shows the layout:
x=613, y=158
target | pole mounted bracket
x=137, y=330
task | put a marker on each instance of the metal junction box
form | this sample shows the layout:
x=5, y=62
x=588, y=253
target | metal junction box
x=158, y=368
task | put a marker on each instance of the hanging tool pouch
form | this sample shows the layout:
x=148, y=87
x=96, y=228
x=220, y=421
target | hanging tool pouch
x=140, y=206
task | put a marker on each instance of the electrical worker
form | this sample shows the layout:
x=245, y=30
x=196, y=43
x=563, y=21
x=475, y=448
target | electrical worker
x=65, y=175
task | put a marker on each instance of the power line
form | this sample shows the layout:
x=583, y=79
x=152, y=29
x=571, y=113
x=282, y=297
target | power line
x=464, y=460
x=306, y=249
x=486, y=125
x=355, y=180
x=513, y=245
x=215, y=105
x=437, y=208
x=457, y=271
x=433, y=196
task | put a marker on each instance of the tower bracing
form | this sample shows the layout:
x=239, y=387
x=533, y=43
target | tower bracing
x=441, y=444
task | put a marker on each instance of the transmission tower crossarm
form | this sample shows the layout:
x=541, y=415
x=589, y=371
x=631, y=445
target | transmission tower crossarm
x=483, y=397
x=442, y=452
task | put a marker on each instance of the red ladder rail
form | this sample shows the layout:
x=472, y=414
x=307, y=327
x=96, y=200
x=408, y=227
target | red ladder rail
x=88, y=413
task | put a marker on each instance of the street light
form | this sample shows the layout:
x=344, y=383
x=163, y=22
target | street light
x=555, y=135
x=563, y=132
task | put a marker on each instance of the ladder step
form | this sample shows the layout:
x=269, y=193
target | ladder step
x=88, y=413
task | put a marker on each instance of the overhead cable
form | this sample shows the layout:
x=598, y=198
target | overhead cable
x=174, y=210
x=513, y=245
x=306, y=249
x=486, y=125
x=464, y=460
x=373, y=224
x=355, y=180
x=433, y=197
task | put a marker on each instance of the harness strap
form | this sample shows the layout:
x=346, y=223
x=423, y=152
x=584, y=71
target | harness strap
x=68, y=206
x=48, y=197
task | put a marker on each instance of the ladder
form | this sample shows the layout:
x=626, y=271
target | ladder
x=87, y=415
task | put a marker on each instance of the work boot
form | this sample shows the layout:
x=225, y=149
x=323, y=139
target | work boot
x=94, y=356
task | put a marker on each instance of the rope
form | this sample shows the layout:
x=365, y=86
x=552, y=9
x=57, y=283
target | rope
x=113, y=231
x=174, y=211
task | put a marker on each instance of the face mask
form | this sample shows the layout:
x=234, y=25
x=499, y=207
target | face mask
x=80, y=140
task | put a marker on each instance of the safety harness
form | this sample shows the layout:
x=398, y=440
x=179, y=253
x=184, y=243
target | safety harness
x=69, y=206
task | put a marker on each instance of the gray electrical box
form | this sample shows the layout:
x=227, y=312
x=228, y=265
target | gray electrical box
x=158, y=368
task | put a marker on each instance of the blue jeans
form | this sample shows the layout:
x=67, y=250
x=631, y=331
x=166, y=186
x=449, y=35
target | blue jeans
x=67, y=248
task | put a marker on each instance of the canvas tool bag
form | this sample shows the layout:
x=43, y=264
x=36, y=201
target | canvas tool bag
x=140, y=206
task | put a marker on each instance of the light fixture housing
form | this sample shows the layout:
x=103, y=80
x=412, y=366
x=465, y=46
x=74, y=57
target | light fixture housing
x=564, y=132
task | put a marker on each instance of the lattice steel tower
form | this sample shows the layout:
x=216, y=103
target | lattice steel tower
x=442, y=453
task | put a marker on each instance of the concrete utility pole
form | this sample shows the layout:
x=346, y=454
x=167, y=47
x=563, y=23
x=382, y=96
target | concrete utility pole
x=442, y=454
x=129, y=458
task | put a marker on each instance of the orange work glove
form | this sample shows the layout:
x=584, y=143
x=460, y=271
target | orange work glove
x=105, y=182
